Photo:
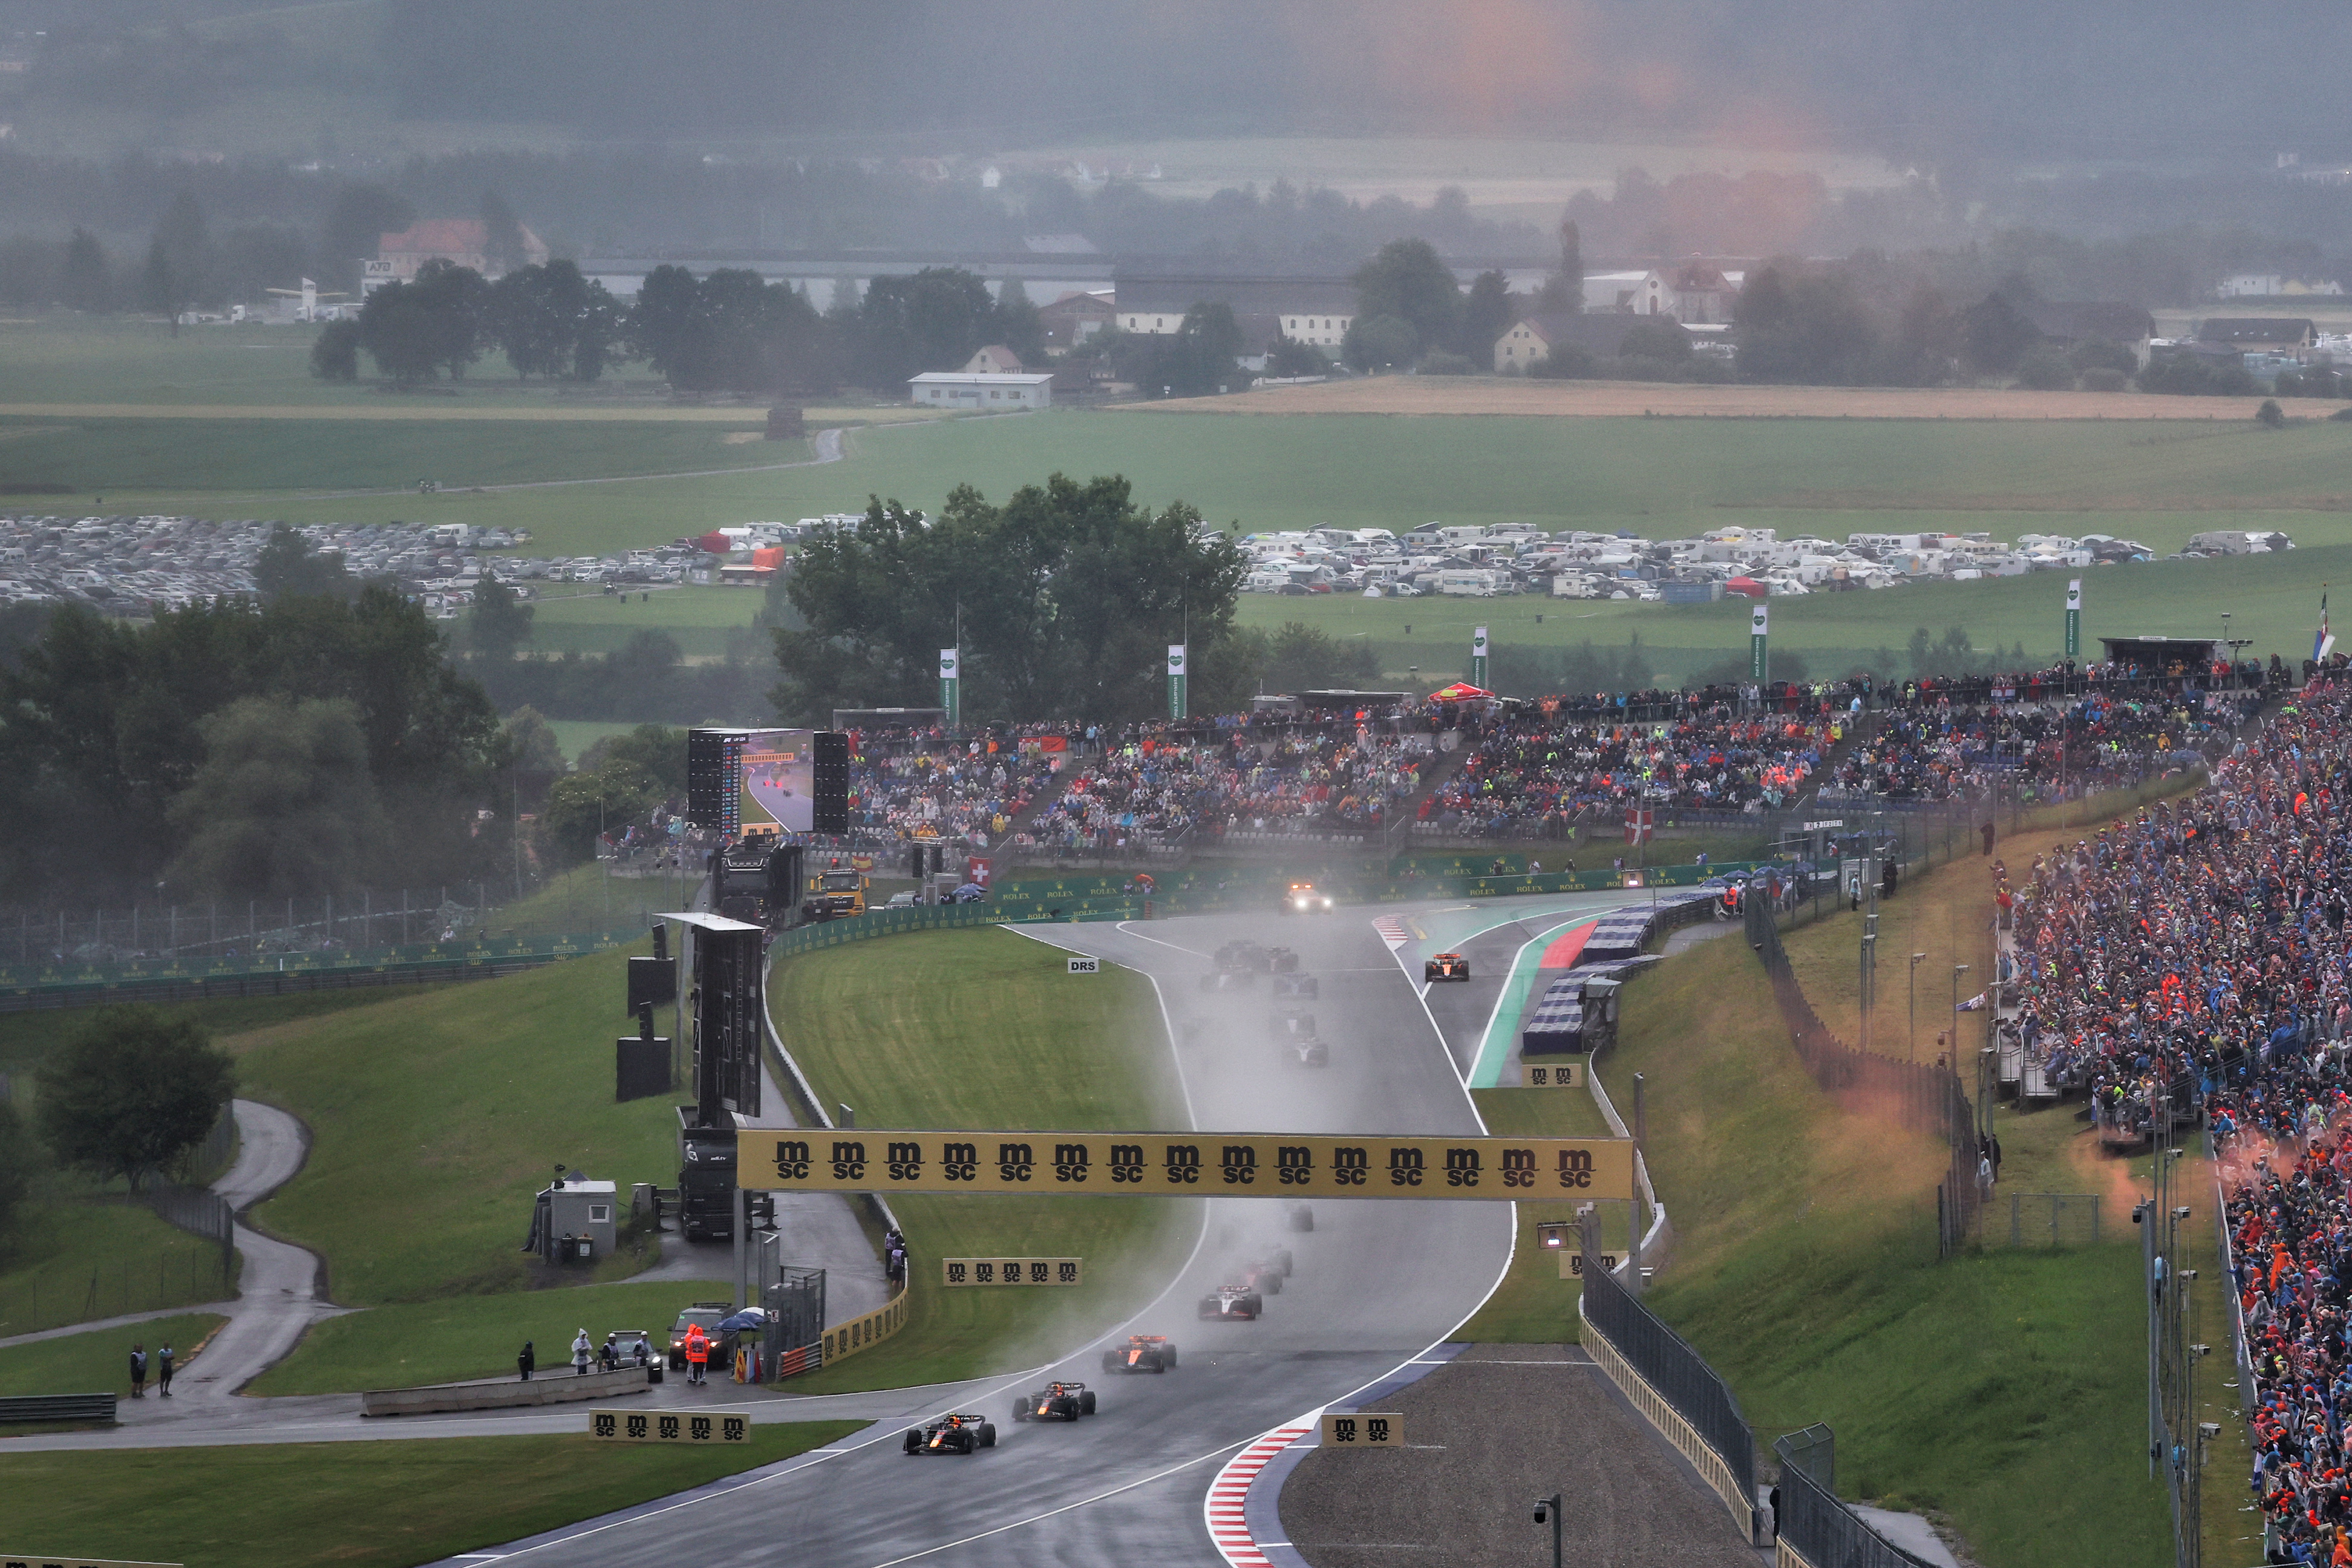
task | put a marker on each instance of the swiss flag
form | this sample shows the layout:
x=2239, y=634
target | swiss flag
x=1640, y=826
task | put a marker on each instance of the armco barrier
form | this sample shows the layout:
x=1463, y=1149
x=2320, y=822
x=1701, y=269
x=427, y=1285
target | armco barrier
x=560, y=1385
x=37, y=986
x=844, y=1339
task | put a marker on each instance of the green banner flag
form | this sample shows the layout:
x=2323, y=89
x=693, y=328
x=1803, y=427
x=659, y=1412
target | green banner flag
x=1176, y=677
x=1478, y=660
x=952, y=685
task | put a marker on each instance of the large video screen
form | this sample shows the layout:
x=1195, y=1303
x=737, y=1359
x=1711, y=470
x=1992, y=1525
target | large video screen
x=777, y=775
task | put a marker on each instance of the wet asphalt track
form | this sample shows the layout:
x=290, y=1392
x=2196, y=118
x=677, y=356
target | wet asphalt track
x=1376, y=1282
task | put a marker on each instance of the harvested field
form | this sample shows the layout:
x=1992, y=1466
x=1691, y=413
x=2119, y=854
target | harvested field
x=445, y=408
x=1635, y=399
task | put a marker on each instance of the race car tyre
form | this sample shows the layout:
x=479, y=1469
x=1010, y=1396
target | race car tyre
x=1020, y=1411
x=1269, y=1284
x=914, y=1444
x=1167, y=1358
x=964, y=1443
x=1086, y=1402
x=1284, y=1261
x=1302, y=1218
x=1256, y=1303
x=1110, y=1361
x=987, y=1435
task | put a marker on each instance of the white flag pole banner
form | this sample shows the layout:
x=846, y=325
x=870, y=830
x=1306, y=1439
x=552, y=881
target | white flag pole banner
x=1176, y=678
x=951, y=684
x=1758, y=663
x=1478, y=659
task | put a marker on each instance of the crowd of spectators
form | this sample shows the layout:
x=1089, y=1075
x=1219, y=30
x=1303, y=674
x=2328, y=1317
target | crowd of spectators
x=930, y=784
x=1535, y=770
x=2197, y=957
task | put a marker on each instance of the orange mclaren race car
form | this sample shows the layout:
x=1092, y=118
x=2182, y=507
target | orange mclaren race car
x=1446, y=966
x=1142, y=1353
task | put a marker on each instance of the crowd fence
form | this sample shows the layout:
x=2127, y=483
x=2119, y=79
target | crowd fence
x=1675, y=1373
x=2044, y=1219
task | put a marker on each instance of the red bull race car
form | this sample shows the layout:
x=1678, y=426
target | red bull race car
x=1236, y=1303
x=1056, y=1402
x=1142, y=1353
x=1445, y=966
x=957, y=1434
x=1267, y=1275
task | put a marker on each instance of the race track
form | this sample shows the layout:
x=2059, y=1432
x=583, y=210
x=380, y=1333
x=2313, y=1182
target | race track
x=1376, y=1282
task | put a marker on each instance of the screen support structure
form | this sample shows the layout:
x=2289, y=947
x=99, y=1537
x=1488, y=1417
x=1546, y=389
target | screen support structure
x=725, y=992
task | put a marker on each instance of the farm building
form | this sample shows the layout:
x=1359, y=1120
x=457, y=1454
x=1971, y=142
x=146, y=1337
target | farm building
x=980, y=390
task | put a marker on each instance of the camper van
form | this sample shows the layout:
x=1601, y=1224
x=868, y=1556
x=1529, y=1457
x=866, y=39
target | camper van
x=1474, y=584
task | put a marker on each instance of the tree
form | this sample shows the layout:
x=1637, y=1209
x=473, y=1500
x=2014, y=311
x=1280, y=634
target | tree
x=335, y=351
x=502, y=244
x=1017, y=324
x=1300, y=657
x=1287, y=357
x=530, y=742
x=1794, y=323
x=131, y=1093
x=287, y=565
x=178, y=259
x=1995, y=335
x=1656, y=338
x=1563, y=291
x=583, y=805
x=933, y=319
x=1198, y=358
x=1070, y=594
x=355, y=226
x=1487, y=315
x=84, y=280
x=283, y=805
x=655, y=750
x=1408, y=281
x=552, y=322
x=498, y=622
x=1380, y=342
x=19, y=1163
x=2044, y=368
x=432, y=323
x=731, y=331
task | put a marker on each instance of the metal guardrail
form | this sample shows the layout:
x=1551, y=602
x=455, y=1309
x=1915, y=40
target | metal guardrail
x=24, y=1408
x=1680, y=1376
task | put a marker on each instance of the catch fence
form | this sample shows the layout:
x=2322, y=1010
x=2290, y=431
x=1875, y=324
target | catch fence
x=2043, y=1219
x=1816, y=1528
x=1930, y=1099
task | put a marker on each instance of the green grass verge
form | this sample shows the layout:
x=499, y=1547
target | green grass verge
x=100, y=1360
x=355, y=1505
x=584, y=898
x=435, y=1118
x=26, y=1037
x=2003, y=1390
x=464, y=1337
x=982, y=1029
x=699, y=619
x=80, y=1256
x=1534, y=1305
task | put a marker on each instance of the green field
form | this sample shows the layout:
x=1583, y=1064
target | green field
x=697, y=618
x=2004, y=1390
x=458, y=1338
x=435, y=1118
x=1533, y=1305
x=215, y=1508
x=985, y=1028
x=98, y=1361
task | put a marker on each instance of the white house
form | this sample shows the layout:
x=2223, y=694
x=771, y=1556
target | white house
x=1324, y=329
x=977, y=390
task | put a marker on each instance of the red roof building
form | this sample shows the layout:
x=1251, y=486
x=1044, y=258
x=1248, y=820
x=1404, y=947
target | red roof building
x=464, y=240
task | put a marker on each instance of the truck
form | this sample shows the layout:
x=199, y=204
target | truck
x=833, y=892
x=706, y=1179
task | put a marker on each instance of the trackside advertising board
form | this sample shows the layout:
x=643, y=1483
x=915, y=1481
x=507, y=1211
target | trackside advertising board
x=1230, y=1164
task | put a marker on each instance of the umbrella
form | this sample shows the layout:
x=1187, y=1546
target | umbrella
x=1460, y=691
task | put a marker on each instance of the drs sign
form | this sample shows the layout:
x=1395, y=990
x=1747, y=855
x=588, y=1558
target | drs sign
x=1085, y=966
x=1363, y=1429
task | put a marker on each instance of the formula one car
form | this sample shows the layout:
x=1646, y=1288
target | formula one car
x=1303, y=898
x=1142, y=1353
x=1300, y=1217
x=1312, y=1053
x=1282, y=960
x=958, y=1434
x=1238, y=1303
x=1445, y=966
x=1298, y=985
x=1267, y=1275
x=1290, y=1025
x=1229, y=980
x=1056, y=1402
x=1245, y=955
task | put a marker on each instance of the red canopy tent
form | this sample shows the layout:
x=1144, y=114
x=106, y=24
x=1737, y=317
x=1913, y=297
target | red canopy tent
x=1749, y=587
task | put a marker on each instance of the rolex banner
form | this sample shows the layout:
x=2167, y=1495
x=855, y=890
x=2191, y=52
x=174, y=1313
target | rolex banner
x=1759, y=662
x=1478, y=660
x=2074, y=617
x=1177, y=675
x=951, y=684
